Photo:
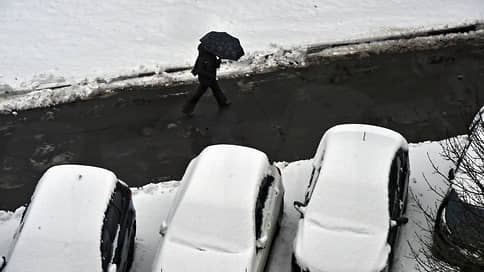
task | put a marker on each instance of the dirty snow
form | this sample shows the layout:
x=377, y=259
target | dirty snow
x=152, y=203
x=52, y=42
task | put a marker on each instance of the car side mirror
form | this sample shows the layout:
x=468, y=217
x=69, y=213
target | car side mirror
x=163, y=228
x=451, y=174
x=300, y=207
x=3, y=263
x=262, y=241
x=399, y=221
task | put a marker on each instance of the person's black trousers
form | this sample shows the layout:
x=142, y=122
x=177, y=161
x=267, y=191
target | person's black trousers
x=202, y=88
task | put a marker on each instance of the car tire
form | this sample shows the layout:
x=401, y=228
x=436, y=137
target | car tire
x=131, y=247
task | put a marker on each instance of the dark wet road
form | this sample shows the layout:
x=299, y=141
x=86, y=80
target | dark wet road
x=141, y=135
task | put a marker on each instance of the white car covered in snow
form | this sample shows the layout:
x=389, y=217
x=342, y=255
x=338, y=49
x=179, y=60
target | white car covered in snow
x=354, y=202
x=80, y=218
x=225, y=215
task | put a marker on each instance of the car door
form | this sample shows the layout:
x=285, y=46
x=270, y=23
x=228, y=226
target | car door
x=316, y=170
x=403, y=180
x=109, y=235
x=266, y=217
x=121, y=199
x=116, y=230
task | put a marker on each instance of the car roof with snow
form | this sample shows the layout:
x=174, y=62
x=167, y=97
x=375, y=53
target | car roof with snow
x=233, y=173
x=62, y=225
x=215, y=215
x=349, y=206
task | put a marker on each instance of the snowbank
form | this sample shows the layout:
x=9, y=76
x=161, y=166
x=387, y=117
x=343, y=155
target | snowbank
x=45, y=41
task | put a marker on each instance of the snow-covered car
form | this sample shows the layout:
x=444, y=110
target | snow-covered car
x=354, y=202
x=80, y=218
x=458, y=236
x=225, y=214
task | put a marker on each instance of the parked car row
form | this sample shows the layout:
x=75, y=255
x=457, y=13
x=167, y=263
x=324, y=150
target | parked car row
x=227, y=212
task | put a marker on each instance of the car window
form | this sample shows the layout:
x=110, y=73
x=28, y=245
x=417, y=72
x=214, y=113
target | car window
x=311, y=185
x=403, y=173
x=111, y=225
x=393, y=190
x=262, y=198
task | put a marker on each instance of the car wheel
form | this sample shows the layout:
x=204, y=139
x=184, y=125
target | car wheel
x=131, y=248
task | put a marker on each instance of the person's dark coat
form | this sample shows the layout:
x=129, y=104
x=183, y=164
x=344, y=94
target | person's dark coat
x=206, y=66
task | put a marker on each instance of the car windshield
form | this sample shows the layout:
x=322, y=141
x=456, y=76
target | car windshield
x=205, y=227
x=354, y=207
x=466, y=221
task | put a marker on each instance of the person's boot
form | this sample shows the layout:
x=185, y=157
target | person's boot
x=225, y=104
x=188, y=110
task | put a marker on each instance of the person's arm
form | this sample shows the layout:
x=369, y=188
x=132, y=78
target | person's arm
x=205, y=69
x=218, y=62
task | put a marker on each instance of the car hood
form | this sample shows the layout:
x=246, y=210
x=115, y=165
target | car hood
x=465, y=221
x=337, y=249
x=179, y=256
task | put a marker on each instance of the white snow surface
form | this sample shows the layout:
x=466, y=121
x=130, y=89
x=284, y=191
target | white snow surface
x=204, y=235
x=152, y=203
x=348, y=210
x=64, y=221
x=56, y=41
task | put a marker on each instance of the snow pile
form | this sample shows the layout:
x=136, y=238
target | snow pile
x=153, y=201
x=67, y=42
x=9, y=221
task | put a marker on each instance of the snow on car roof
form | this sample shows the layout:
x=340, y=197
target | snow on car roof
x=350, y=199
x=216, y=211
x=62, y=227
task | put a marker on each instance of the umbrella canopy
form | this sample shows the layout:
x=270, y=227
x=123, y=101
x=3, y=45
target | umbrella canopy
x=222, y=45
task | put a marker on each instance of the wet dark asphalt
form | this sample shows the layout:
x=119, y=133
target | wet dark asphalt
x=140, y=134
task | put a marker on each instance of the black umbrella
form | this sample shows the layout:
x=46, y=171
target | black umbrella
x=222, y=45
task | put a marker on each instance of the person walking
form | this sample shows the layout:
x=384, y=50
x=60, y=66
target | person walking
x=213, y=47
x=206, y=68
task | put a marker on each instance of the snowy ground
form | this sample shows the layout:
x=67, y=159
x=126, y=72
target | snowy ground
x=153, y=201
x=76, y=42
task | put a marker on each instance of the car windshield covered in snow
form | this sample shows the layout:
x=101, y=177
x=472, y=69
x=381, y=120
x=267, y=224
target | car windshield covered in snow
x=203, y=227
x=217, y=199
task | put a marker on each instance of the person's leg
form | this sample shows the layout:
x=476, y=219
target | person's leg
x=219, y=95
x=193, y=100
